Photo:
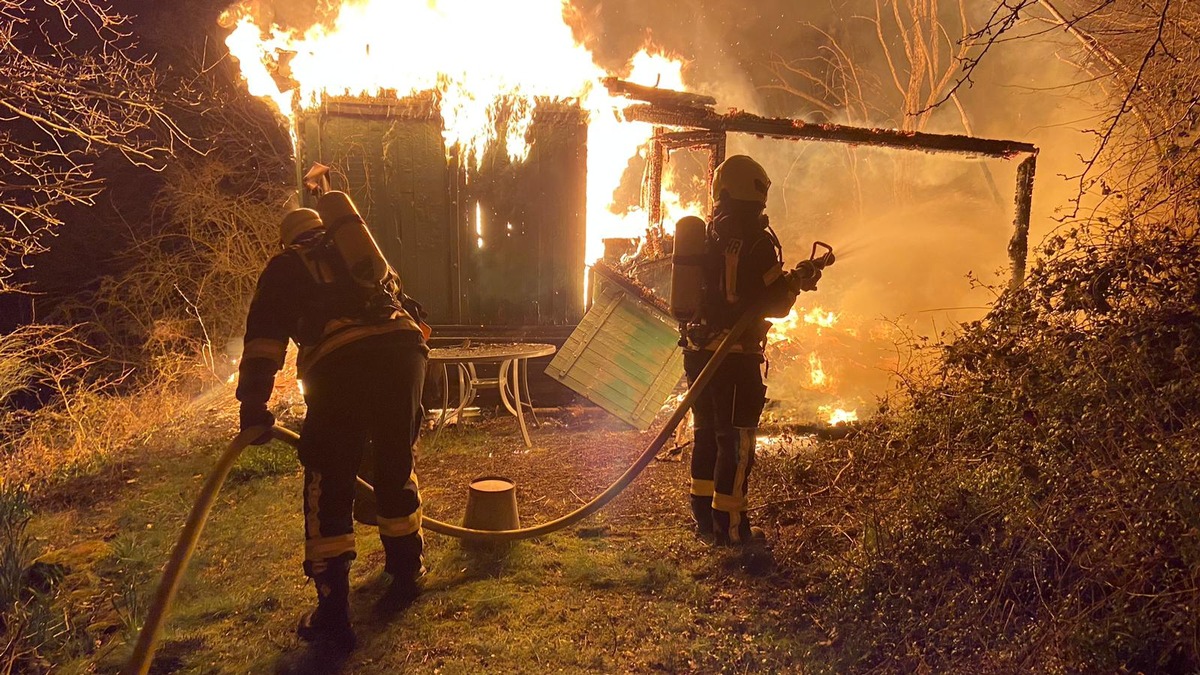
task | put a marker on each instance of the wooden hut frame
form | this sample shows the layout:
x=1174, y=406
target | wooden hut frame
x=686, y=120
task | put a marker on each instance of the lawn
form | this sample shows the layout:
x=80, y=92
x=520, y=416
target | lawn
x=628, y=590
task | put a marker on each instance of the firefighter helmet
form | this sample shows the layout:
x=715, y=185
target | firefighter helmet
x=296, y=223
x=740, y=177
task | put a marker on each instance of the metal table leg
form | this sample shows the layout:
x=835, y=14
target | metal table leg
x=528, y=396
x=514, y=366
x=502, y=385
x=466, y=391
x=437, y=430
x=468, y=370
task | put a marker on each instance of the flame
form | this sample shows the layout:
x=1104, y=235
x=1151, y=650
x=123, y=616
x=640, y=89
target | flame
x=382, y=45
x=477, y=57
x=838, y=415
x=784, y=329
x=820, y=318
x=817, y=373
x=781, y=329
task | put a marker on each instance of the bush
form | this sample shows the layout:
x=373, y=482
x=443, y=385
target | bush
x=1033, y=503
x=58, y=418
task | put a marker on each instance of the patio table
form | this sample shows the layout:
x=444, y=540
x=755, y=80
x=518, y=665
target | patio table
x=512, y=381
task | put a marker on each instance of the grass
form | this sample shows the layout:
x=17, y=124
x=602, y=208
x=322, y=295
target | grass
x=613, y=595
x=260, y=461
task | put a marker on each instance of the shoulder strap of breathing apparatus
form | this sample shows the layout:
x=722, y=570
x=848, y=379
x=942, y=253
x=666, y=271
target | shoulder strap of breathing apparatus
x=319, y=261
x=327, y=267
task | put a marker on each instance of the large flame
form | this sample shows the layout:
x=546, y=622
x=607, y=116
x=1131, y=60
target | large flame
x=477, y=56
x=817, y=371
x=796, y=337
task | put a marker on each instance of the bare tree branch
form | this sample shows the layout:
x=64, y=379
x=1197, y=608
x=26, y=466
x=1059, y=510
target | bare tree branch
x=71, y=88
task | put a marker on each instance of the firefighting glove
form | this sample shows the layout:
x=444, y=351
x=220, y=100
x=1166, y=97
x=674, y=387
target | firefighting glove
x=257, y=416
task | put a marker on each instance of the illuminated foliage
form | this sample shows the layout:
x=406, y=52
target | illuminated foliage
x=71, y=88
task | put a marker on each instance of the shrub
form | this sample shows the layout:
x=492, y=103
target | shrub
x=1033, y=503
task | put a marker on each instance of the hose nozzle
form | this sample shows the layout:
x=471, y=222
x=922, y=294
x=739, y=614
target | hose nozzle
x=827, y=258
x=808, y=272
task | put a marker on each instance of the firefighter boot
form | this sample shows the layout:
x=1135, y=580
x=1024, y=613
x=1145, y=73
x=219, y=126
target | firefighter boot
x=328, y=625
x=702, y=515
x=405, y=563
x=734, y=529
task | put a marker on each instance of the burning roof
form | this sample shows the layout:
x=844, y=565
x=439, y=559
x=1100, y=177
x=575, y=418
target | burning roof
x=484, y=71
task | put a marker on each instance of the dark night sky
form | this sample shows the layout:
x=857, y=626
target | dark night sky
x=84, y=250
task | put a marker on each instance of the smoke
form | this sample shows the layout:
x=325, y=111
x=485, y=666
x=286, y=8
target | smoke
x=919, y=237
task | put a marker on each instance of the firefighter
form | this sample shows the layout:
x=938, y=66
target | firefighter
x=361, y=363
x=742, y=271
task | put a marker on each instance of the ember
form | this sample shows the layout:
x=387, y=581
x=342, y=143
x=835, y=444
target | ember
x=838, y=416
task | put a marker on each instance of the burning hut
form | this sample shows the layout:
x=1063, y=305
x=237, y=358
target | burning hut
x=492, y=180
x=494, y=246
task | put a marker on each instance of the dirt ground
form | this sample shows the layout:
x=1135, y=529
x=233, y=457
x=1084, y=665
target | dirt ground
x=630, y=589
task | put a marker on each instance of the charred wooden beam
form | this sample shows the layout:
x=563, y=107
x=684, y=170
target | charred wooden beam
x=675, y=140
x=714, y=160
x=1018, y=246
x=782, y=127
x=654, y=177
x=669, y=97
x=423, y=105
x=664, y=141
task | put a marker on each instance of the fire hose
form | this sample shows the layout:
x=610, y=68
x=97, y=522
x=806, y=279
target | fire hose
x=143, y=652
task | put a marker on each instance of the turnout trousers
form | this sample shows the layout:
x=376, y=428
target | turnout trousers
x=726, y=418
x=368, y=391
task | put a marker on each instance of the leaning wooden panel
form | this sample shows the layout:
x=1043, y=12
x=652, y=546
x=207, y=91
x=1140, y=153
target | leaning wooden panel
x=624, y=356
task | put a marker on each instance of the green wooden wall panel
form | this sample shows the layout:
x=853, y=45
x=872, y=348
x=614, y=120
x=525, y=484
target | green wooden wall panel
x=604, y=369
x=628, y=359
x=624, y=356
x=421, y=207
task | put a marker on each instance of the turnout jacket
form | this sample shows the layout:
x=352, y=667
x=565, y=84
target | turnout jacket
x=744, y=273
x=289, y=303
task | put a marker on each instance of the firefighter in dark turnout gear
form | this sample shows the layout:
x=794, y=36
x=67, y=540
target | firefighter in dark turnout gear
x=362, y=365
x=743, y=271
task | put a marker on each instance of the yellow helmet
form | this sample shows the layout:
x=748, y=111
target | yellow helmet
x=296, y=223
x=740, y=177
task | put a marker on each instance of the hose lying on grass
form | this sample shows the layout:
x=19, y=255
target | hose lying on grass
x=143, y=652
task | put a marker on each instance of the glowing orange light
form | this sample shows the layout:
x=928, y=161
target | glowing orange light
x=476, y=56
x=838, y=416
x=816, y=371
x=820, y=317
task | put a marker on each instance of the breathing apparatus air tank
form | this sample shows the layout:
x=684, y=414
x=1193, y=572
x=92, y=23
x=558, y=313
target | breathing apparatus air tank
x=687, y=268
x=352, y=240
